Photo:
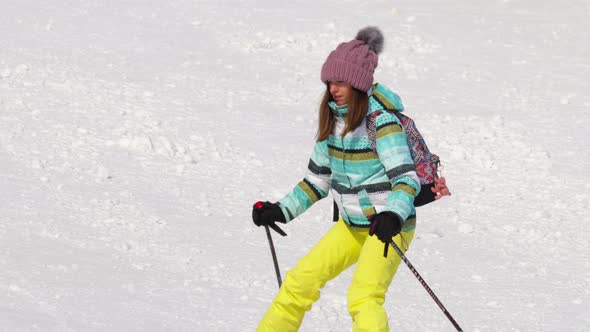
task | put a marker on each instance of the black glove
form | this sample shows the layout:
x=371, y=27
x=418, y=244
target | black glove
x=267, y=213
x=386, y=225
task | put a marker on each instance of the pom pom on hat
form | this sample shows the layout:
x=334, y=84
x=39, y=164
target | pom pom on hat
x=355, y=61
x=372, y=37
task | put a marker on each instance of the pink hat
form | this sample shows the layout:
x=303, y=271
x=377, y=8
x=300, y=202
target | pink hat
x=355, y=61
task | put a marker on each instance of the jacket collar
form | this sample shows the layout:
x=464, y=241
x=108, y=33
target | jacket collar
x=338, y=110
x=380, y=98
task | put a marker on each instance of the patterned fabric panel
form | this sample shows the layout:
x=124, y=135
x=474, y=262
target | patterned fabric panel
x=363, y=180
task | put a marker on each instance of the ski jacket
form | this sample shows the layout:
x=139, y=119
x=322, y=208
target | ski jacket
x=361, y=181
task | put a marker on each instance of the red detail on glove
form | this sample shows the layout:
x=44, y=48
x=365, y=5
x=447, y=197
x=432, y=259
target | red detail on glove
x=258, y=205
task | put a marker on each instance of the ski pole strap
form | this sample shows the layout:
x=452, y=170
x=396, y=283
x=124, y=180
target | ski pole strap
x=425, y=285
x=277, y=229
x=336, y=214
x=274, y=255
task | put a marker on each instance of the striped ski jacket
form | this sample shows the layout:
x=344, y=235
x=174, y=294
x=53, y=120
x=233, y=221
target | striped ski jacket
x=361, y=181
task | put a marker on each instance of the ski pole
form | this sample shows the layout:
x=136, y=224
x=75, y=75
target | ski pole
x=425, y=285
x=274, y=255
x=276, y=228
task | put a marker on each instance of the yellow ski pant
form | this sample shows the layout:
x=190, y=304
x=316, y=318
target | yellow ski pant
x=340, y=248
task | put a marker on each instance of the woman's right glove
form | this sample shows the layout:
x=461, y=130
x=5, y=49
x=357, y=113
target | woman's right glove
x=267, y=213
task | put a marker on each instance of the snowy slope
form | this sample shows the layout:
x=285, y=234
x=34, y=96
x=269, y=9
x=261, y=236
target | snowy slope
x=135, y=136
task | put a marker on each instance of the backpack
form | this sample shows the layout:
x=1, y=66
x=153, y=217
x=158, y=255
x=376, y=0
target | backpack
x=427, y=163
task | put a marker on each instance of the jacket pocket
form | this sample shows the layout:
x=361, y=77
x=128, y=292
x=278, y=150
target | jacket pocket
x=366, y=204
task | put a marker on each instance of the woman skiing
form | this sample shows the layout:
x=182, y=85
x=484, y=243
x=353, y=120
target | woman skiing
x=373, y=186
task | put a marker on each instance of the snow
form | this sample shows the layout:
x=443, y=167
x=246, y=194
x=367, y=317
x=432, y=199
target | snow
x=136, y=135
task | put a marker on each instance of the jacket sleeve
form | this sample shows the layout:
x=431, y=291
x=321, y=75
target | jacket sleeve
x=314, y=186
x=394, y=153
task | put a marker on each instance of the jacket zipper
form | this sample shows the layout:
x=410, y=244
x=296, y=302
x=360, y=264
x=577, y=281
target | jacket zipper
x=344, y=212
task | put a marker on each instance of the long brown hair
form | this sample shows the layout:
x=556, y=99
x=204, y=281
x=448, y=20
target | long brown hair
x=357, y=110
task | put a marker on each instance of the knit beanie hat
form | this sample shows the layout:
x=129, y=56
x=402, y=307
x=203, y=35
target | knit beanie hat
x=355, y=61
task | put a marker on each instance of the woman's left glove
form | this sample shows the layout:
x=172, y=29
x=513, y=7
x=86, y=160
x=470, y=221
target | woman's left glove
x=267, y=213
x=386, y=225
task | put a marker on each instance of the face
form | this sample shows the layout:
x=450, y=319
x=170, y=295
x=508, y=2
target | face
x=341, y=92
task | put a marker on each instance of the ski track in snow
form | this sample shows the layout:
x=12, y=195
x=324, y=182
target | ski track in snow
x=134, y=139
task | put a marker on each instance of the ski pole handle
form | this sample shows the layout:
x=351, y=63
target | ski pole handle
x=260, y=205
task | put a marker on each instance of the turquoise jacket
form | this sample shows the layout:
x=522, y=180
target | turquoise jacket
x=361, y=181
